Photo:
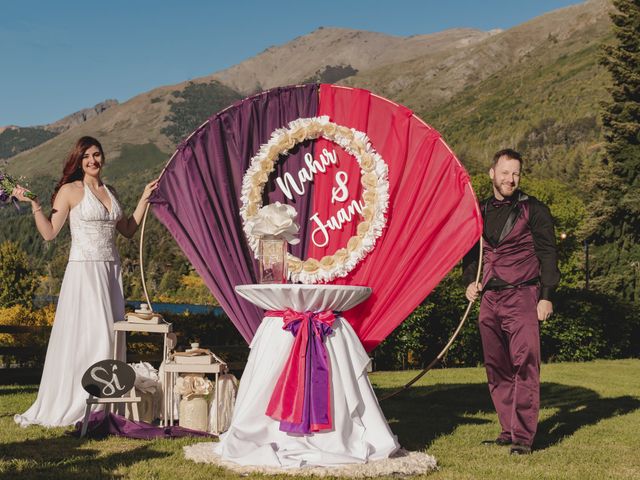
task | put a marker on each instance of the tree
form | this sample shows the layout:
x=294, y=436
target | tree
x=615, y=206
x=18, y=281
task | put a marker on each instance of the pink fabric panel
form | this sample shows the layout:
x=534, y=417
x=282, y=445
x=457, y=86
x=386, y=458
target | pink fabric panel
x=432, y=221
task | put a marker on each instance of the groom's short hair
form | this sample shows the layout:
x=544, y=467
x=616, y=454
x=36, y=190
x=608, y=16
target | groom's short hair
x=506, y=152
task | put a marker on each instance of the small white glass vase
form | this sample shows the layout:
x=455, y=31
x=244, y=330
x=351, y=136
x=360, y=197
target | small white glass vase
x=272, y=260
x=194, y=413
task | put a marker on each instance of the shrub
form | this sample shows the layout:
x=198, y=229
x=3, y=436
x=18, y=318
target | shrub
x=25, y=316
x=18, y=280
x=588, y=325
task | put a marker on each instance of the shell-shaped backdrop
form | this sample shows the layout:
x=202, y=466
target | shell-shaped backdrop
x=404, y=178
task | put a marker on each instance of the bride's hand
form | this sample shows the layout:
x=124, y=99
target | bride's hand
x=148, y=190
x=19, y=193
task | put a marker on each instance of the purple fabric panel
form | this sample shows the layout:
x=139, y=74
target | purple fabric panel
x=320, y=381
x=198, y=198
x=102, y=425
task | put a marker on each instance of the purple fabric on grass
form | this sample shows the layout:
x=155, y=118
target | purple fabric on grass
x=198, y=197
x=102, y=425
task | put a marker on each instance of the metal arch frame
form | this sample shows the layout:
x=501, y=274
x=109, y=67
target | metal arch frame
x=141, y=256
x=456, y=332
x=446, y=348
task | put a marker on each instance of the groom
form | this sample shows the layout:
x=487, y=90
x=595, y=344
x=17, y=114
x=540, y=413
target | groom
x=520, y=273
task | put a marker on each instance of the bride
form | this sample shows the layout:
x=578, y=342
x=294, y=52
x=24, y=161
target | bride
x=91, y=297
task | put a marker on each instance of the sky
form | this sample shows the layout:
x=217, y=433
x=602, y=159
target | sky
x=58, y=57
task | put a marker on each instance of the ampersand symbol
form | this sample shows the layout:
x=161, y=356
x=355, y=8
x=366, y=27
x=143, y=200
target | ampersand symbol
x=340, y=193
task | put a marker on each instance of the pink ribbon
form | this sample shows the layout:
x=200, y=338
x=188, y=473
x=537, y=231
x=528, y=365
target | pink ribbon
x=301, y=399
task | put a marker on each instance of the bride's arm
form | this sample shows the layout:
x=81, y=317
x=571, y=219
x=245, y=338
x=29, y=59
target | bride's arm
x=48, y=228
x=128, y=226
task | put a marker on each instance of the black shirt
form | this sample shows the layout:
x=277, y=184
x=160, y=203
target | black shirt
x=541, y=226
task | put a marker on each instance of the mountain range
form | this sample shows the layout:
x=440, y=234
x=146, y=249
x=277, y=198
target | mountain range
x=482, y=90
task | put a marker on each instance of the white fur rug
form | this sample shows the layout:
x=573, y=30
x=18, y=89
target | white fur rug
x=401, y=463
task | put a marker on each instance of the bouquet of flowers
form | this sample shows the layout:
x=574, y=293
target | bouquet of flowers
x=7, y=186
x=191, y=385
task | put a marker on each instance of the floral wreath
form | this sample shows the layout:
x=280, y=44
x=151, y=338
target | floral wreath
x=374, y=179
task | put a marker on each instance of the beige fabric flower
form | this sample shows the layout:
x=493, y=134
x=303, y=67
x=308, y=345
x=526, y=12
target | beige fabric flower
x=363, y=228
x=259, y=179
x=341, y=255
x=299, y=135
x=354, y=243
x=369, y=180
x=255, y=195
x=286, y=143
x=370, y=196
x=252, y=209
x=193, y=384
x=367, y=213
x=274, y=153
x=314, y=127
x=330, y=130
x=345, y=132
x=366, y=162
x=359, y=149
x=294, y=264
x=311, y=265
x=202, y=386
x=266, y=166
x=327, y=262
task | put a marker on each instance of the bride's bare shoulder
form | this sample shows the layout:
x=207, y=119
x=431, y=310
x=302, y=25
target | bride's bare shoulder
x=71, y=193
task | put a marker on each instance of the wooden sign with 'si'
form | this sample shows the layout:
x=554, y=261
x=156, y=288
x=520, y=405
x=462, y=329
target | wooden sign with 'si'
x=107, y=382
x=108, y=379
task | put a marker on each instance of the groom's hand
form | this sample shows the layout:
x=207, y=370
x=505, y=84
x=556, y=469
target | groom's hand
x=545, y=309
x=473, y=291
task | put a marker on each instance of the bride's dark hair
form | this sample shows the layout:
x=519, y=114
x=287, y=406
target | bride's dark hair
x=72, y=169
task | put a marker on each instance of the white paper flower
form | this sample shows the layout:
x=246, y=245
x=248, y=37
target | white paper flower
x=275, y=220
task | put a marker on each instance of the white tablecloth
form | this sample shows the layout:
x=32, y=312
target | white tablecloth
x=304, y=297
x=360, y=431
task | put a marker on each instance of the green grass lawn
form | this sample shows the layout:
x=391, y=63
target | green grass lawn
x=589, y=429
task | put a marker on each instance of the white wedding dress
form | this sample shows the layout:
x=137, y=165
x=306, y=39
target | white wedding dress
x=90, y=300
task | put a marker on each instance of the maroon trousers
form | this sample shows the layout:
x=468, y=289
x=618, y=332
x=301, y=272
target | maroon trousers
x=511, y=344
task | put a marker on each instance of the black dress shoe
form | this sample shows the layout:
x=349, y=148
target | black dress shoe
x=520, y=449
x=498, y=441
